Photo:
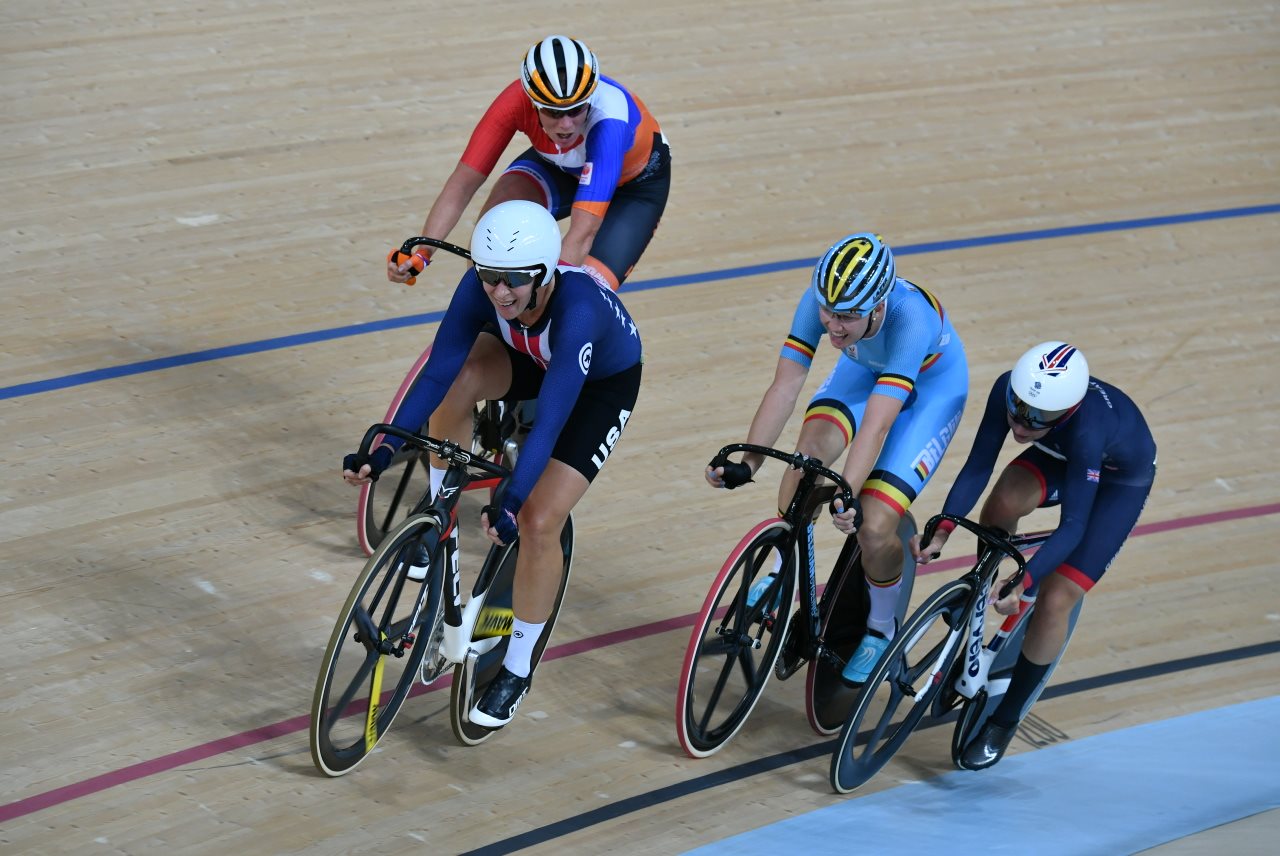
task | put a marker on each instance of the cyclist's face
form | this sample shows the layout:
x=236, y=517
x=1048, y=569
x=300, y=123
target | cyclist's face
x=843, y=330
x=509, y=301
x=1022, y=434
x=563, y=126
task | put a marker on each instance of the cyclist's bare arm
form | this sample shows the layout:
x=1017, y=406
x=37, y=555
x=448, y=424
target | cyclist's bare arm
x=446, y=211
x=776, y=407
x=583, y=226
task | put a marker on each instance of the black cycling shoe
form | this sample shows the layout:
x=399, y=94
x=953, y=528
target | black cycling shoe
x=988, y=747
x=498, y=705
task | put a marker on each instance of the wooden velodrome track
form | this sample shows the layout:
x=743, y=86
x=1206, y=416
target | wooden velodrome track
x=186, y=188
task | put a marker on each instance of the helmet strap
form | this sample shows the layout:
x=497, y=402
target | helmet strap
x=533, y=296
x=871, y=321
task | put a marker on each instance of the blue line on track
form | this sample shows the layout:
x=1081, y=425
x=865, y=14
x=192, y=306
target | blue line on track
x=297, y=339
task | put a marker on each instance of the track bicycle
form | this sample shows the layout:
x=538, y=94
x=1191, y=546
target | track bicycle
x=405, y=622
x=938, y=660
x=737, y=642
x=496, y=432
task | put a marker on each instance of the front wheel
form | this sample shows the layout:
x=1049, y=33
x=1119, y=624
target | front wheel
x=378, y=644
x=736, y=639
x=911, y=670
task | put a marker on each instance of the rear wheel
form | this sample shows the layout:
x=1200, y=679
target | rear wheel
x=735, y=642
x=382, y=635
x=901, y=687
x=844, y=621
x=386, y=503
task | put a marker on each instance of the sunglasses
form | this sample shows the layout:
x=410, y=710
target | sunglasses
x=843, y=317
x=552, y=113
x=513, y=278
x=1032, y=418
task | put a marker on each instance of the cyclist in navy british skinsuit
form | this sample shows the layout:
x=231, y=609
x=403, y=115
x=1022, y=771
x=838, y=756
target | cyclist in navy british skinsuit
x=1093, y=456
x=566, y=342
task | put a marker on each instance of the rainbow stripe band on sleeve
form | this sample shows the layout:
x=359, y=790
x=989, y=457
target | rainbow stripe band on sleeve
x=798, y=350
x=900, y=384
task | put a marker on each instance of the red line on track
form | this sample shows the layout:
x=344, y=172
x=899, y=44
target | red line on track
x=284, y=728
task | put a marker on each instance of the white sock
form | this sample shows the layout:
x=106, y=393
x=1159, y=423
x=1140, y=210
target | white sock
x=884, y=604
x=437, y=478
x=524, y=637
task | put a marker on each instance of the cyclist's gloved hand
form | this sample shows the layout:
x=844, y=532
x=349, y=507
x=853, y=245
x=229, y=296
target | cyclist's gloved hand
x=850, y=515
x=503, y=518
x=736, y=474
x=378, y=460
x=417, y=263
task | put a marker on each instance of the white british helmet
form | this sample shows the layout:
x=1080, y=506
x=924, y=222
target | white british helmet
x=1046, y=385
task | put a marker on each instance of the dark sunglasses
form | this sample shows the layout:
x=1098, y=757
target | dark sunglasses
x=513, y=278
x=1032, y=418
x=552, y=113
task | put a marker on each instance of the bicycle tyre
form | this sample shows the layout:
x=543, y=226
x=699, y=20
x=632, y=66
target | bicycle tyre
x=922, y=650
x=471, y=677
x=355, y=671
x=720, y=681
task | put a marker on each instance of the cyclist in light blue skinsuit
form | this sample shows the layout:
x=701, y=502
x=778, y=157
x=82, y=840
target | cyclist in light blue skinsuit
x=894, y=398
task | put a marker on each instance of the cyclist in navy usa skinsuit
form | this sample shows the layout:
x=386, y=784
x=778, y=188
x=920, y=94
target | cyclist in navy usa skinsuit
x=585, y=396
x=1093, y=456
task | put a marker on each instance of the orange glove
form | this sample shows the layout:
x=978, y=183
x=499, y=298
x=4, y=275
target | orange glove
x=417, y=262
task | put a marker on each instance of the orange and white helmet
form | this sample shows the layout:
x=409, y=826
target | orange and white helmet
x=559, y=73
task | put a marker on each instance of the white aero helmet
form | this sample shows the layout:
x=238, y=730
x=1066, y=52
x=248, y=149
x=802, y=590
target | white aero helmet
x=560, y=73
x=514, y=238
x=1046, y=385
x=855, y=274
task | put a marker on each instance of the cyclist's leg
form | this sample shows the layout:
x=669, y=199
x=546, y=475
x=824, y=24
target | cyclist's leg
x=524, y=179
x=830, y=420
x=1020, y=489
x=485, y=374
x=1115, y=512
x=631, y=220
x=908, y=458
x=595, y=423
